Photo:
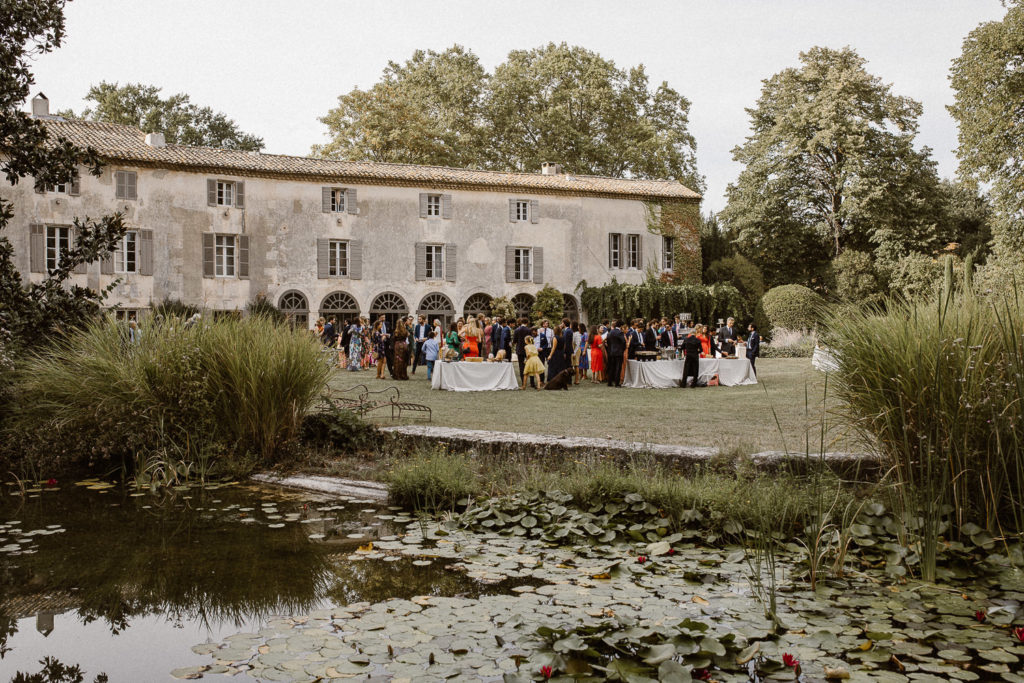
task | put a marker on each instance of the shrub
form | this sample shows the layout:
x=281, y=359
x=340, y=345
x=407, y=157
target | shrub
x=339, y=429
x=549, y=304
x=856, y=278
x=793, y=307
x=174, y=308
x=738, y=271
x=503, y=306
x=230, y=387
x=938, y=386
x=262, y=307
x=790, y=344
x=432, y=481
x=916, y=276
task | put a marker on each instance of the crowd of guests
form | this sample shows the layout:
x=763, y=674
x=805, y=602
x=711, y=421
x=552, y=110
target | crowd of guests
x=543, y=351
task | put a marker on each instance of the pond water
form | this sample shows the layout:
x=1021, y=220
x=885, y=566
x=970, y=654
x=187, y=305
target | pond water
x=127, y=583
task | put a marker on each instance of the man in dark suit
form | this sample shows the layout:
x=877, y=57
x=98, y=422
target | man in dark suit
x=650, y=337
x=753, y=346
x=691, y=360
x=496, y=335
x=329, y=333
x=419, y=334
x=505, y=341
x=634, y=340
x=519, y=340
x=727, y=337
x=614, y=346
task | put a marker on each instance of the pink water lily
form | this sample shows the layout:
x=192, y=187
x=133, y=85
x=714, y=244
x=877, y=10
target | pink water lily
x=546, y=671
x=790, y=661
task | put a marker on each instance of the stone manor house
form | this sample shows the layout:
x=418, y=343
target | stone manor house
x=216, y=227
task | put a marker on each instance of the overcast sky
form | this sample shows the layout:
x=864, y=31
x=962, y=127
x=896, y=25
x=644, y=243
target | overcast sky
x=275, y=67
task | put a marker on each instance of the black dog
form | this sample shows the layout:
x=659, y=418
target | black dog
x=560, y=381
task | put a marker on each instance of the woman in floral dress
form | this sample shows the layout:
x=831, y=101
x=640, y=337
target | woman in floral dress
x=355, y=346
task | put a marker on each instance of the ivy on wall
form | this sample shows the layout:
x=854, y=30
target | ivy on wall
x=655, y=299
x=680, y=220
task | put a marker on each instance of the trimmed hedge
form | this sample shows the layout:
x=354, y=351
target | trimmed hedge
x=793, y=307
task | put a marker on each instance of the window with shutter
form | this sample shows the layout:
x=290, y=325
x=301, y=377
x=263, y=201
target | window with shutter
x=125, y=185
x=337, y=200
x=668, y=246
x=240, y=195
x=355, y=266
x=350, y=201
x=58, y=242
x=434, y=261
x=421, y=261
x=510, y=264
x=446, y=206
x=224, y=256
x=208, y=254
x=211, y=192
x=522, y=264
x=37, y=248
x=145, y=252
x=614, y=250
x=423, y=204
x=76, y=187
x=450, y=262
x=522, y=211
x=538, y=265
x=633, y=251
x=534, y=211
x=126, y=253
x=337, y=258
x=326, y=199
x=433, y=206
x=243, y=257
x=225, y=193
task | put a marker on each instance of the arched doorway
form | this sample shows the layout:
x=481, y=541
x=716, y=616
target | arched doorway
x=524, y=305
x=341, y=305
x=478, y=304
x=295, y=306
x=437, y=306
x=391, y=306
x=571, y=310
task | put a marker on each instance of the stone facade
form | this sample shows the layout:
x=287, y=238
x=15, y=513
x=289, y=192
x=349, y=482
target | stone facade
x=286, y=219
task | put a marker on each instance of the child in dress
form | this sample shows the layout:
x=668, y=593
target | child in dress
x=534, y=367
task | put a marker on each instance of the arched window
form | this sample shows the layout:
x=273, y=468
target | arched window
x=437, y=306
x=571, y=310
x=478, y=304
x=341, y=305
x=294, y=305
x=524, y=305
x=389, y=305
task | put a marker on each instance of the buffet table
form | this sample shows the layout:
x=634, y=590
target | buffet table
x=474, y=376
x=665, y=374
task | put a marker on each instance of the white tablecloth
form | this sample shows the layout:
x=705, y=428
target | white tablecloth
x=474, y=376
x=665, y=374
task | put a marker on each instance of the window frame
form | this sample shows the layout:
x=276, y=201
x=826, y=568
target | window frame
x=434, y=202
x=59, y=188
x=121, y=253
x=633, y=251
x=434, y=261
x=56, y=234
x=616, y=250
x=517, y=264
x=338, y=201
x=225, y=193
x=338, y=258
x=225, y=256
x=668, y=253
x=522, y=211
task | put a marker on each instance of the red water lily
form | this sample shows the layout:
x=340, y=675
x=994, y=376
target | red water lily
x=1018, y=633
x=51, y=482
x=979, y=615
x=701, y=674
x=546, y=671
x=790, y=661
x=641, y=559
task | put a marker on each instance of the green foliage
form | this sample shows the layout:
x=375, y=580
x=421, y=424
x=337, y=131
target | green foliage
x=230, y=389
x=830, y=165
x=338, y=429
x=181, y=122
x=681, y=221
x=554, y=103
x=503, y=306
x=54, y=671
x=262, y=307
x=716, y=243
x=432, y=481
x=739, y=272
x=549, y=304
x=174, y=308
x=793, y=307
x=655, y=299
x=938, y=386
x=31, y=313
x=968, y=218
x=856, y=278
x=989, y=87
x=917, y=276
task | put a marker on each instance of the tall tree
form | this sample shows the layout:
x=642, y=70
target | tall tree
x=556, y=103
x=988, y=81
x=830, y=164
x=30, y=312
x=426, y=111
x=182, y=122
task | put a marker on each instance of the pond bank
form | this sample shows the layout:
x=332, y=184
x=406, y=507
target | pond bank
x=477, y=441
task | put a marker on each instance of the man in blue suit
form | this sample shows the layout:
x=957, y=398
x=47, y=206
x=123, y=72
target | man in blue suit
x=753, y=346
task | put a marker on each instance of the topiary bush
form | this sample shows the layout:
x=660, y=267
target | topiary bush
x=793, y=307
x=549, y=304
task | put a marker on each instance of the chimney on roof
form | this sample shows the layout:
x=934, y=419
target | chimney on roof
x=155, y=140
x=40, y=106
x=550, y=168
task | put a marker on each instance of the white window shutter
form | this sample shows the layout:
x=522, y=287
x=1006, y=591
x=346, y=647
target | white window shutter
x=421, y=261
x=450, y=262
x=423, y=204
x=240, y=195
x=538, y=265
x=325, y=199
x=243, y=257
x=355, y=259
x=323, y=257
x=145, y=252
x=208, y=252
x=350, y=201
x=512, y=211
x=510, y=264
x=446, y=206
x=211, y=193
x=535, y=211
x=37, y=248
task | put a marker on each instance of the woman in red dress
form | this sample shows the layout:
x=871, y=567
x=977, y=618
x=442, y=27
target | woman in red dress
x=596, y=354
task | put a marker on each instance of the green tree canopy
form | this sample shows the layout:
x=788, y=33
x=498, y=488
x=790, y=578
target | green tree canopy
x=555, y=103
x=988, y=81
x=830, y=164
x=181, y=122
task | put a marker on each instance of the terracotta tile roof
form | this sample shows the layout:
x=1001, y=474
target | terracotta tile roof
x=126, y=144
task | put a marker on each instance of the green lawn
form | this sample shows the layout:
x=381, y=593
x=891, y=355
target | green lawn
x=726, y=417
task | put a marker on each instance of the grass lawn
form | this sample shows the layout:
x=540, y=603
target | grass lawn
x=727, y=417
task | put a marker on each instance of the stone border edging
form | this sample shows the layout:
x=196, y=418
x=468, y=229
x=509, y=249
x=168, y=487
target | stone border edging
x=354, y=488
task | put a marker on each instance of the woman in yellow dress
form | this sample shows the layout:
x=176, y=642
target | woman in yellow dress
x=534, y=367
